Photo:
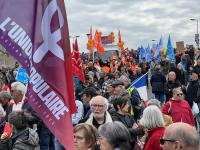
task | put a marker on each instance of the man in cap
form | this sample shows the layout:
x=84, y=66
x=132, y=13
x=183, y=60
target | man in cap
x=118, y=86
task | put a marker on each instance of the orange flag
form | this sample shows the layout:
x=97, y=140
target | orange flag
x=97, y=42
x=90, y=43
x=120, y=42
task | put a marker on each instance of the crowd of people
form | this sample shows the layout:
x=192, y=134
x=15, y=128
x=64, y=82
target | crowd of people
x=109, y=117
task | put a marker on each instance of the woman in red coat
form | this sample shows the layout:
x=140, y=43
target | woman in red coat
x=152, y=120
x=178, y=108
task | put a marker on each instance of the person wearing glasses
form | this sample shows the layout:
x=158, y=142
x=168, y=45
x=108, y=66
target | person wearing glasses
x=180, y=136
x=100, y=115
x=178, y=108
x=85, y=137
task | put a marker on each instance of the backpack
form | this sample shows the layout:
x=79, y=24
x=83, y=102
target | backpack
x=136, y=103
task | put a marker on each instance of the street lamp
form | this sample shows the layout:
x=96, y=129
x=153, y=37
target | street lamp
x=88, y=34
x=153, y=42
x=197, y=34
x=73, y=37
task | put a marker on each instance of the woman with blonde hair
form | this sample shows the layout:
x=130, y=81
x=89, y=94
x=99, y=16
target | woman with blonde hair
x=85, y=137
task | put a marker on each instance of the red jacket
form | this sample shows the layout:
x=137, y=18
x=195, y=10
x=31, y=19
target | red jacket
x=153, y=139
x=180, y=111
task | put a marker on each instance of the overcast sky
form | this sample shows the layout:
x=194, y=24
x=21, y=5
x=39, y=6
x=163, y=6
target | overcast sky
x=140, y=21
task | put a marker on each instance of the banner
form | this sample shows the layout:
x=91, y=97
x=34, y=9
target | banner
x=180, y=46
x=35, y=32
x=106, y=40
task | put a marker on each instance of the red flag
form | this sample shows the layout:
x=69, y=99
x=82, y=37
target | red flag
x=36, y=34
x=119, y=37
x=96, y=38
x=90, y=36
x=77, y=67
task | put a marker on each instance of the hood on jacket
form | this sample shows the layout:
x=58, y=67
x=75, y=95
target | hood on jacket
x=28, y=137
x=33, y=138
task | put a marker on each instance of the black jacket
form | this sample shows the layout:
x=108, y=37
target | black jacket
x=191, y=92
x=169, y=87
x=158, y=81
x=126, y=119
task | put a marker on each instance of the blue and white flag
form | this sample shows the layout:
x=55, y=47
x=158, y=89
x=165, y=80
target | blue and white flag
x=141, y=85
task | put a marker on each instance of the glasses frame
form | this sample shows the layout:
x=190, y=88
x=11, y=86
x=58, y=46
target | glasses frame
x=162, y=141
x=179, y=94
x=97, y=106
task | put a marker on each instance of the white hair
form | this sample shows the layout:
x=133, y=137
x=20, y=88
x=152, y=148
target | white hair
x=152, y=118
x=19, y=87
x=105, y=101
x=154, y=102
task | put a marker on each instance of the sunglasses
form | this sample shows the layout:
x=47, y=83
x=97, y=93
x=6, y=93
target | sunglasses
x=179, y=94
x=162, y=141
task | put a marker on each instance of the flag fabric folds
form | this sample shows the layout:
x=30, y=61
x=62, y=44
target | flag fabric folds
x=97, y=42
x=141, y=85
x=77, y=68
x=148, y=54
x=142, y=53
x=35, y=32
x=120, y=42
x=161, y=46
x=90, y=43
x=157, y=49
x=170, y=50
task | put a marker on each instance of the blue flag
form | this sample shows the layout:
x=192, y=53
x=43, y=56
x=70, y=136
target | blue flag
x=142, y=53
x=157, y=48
x=154, y=47
x=148, y=54
x=141, y=85
x=22, y=76
x=170, y=50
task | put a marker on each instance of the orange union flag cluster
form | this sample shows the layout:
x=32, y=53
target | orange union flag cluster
x=35, y=32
